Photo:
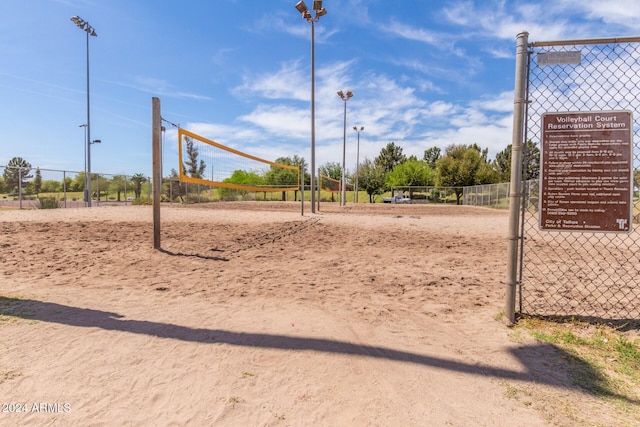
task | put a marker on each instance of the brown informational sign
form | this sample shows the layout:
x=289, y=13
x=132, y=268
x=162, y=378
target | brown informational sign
x=586, y=171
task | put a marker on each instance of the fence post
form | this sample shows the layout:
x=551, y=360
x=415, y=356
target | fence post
x=301, y=188
x=519, y=102
x=20, y=186
x=64, y=187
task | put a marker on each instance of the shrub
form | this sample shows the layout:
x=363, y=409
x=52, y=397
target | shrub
x=139, y=201
x=48, y=203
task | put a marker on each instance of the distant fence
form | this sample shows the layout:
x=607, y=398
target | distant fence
x=68, y=187
x=493, y=195
x=24, y=187
x=175, y=191
x=429, y=194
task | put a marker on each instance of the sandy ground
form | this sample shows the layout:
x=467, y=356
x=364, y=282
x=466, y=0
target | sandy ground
x=254, y=315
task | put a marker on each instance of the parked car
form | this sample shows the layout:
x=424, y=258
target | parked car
x=398, y=198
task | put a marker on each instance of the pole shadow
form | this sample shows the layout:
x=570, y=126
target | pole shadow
x=529, y=356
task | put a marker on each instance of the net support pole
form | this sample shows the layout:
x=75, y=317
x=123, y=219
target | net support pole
x=156, y=141
x=519, y=102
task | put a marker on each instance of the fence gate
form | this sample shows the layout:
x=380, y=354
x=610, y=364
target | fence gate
x=578, y=94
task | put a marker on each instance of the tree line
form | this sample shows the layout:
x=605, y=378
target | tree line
x=459, y=166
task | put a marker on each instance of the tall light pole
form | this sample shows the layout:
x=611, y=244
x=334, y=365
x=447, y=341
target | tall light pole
x=345, y=98
x=84, y=143
x=84, y=26
x=357, y=158
x=306, y=15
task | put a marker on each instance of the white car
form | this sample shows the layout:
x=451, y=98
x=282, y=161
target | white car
x=398, y=198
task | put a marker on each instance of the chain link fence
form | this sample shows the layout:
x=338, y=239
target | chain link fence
x=429, y=194
x=28, y=187
x=490, y=195
x=24, y=188
x=595, y=275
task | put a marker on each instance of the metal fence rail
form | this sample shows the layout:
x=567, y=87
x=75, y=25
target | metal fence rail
x=491, y=195
x=577, y=273
x=66, y=186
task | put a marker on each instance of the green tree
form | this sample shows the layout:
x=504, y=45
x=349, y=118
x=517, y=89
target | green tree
x=119, y=184
x=389, y=157
x=487, y=174
x=192, y=166
x=100, y=185
x=240, y=177
x=371, y=179
x=139, y=179
x=458, y=167
x=16, y=174
x=51, y=186
x=431, y=156
x=502, y=164
x=37, y=182
x=530, y=158
x=172, y=189
x=78, y=183
x=67, y=184
x=332, y=170
x=484, y=152
x=277, y=176
x=411, y=173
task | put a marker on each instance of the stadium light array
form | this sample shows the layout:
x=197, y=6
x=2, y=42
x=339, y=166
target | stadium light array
x=84, y=26
x=306, y=15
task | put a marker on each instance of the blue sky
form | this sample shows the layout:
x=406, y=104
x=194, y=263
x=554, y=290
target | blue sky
x=423, y=74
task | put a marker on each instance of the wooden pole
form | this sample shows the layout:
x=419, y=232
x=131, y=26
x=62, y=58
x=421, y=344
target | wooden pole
x=156, y=140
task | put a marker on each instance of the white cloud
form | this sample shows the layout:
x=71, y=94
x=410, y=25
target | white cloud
x=289, y=82
x=416, y=34
x=615, y=12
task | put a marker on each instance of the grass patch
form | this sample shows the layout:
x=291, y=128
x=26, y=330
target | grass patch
x=234, y=400
x=13, y=310
x=600, y=359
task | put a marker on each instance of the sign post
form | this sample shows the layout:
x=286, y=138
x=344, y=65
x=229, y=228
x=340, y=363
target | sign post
x=587, y=172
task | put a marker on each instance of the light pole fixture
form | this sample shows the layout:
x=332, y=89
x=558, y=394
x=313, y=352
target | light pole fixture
x=357, y=158
x=306, y=15
x=84, y=26
x=345, y=98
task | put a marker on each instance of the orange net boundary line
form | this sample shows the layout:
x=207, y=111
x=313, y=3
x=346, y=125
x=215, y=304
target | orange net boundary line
x=190, y=179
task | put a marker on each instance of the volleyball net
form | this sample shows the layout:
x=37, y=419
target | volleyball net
x=332, y=185
x=329, y=184
x=203, y=161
